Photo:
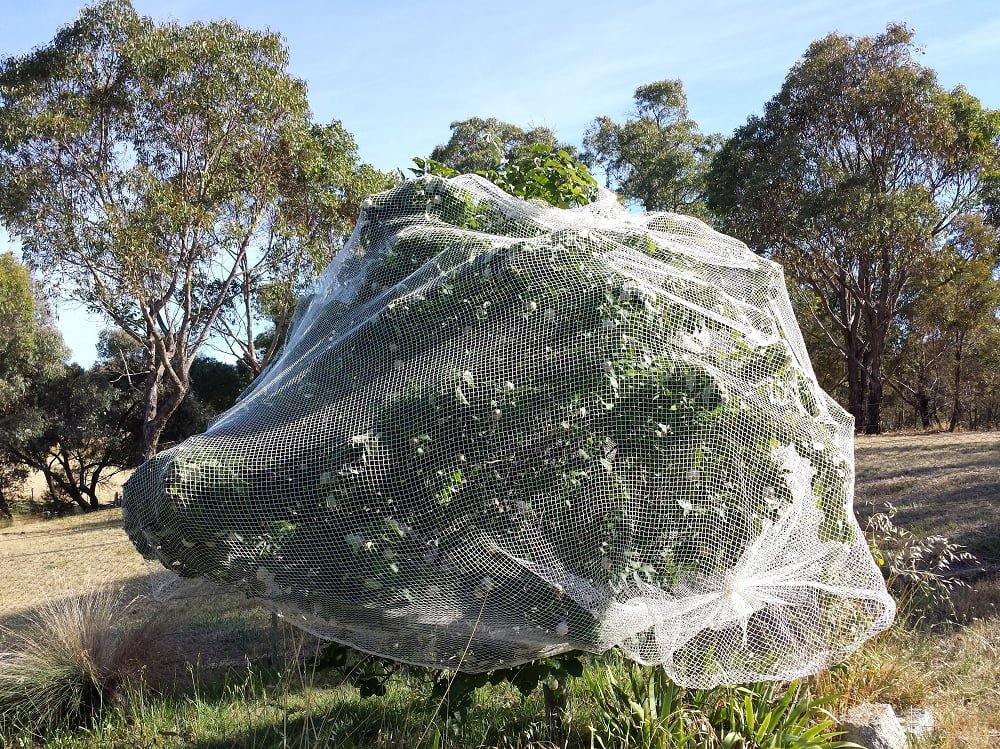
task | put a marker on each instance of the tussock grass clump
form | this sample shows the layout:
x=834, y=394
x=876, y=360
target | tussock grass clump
x=895, y=667
x=73, y=659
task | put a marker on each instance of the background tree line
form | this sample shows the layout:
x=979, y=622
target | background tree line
x=171, y=177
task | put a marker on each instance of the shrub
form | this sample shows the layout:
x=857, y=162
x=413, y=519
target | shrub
x=72, y=660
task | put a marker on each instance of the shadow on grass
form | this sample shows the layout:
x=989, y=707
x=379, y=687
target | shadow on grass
x=407, y=718
x=969, y=515
x=27, y=525
x=208, y=628
x=346, y=725
x=947, y=485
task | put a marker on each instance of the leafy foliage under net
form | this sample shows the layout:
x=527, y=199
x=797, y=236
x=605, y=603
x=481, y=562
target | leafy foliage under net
x=501, y=430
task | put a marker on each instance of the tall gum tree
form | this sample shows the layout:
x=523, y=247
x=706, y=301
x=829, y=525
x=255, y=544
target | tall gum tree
x=852, y=178
x=658, y=156
x=159, y=173
x=951, y=325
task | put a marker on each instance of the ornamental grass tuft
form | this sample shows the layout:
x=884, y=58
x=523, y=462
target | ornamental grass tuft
x=73, y=659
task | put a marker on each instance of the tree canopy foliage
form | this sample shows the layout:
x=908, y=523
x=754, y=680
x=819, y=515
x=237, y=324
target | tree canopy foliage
x=854, y=178
x=164, y=173
x=30, y=345
x=76, y=429
x=658, y=157
x=947, y=338
x=171, y=177
x=478, y=144
x=30, y=348
x=71, y=425
x=540, y=173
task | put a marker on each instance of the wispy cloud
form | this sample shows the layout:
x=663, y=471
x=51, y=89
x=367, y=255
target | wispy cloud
x=978, y=45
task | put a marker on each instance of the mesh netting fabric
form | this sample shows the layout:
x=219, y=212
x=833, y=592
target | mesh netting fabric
x=499, y=431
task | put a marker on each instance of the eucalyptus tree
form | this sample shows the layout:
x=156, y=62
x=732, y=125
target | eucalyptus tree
x=163, y=174
x=30, y=348
x=74, y=428
x=658, y=157
x=853, y=177
x=951, y=327
x=481, y=144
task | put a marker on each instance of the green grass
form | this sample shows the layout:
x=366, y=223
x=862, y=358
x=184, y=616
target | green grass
x=259, y=708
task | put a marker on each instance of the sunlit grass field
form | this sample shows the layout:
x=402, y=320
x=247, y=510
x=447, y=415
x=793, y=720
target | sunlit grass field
x=225, y=693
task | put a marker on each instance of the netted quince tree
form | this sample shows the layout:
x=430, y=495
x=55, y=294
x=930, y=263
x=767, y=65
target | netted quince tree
x=501, y=430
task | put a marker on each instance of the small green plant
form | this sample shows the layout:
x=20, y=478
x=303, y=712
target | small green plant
x=768, y=715
x=73, y=660
x=553, y=674
x=641, y=707
x=368, y=673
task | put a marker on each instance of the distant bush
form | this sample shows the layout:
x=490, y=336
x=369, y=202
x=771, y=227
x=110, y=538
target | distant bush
x=73, y=660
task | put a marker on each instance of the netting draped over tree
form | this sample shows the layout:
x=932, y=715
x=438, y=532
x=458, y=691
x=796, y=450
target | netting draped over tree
x=500, y=430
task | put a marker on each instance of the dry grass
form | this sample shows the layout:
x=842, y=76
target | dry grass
x=66, y=556
x=942, y=484
x=892, y=668
x=965, y=664
x=46, y=561
x=75, y=658
x=955, y=672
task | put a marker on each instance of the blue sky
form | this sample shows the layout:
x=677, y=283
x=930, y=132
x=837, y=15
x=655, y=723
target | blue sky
x=397, y=73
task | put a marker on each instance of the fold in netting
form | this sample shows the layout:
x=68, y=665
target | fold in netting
x=500, y=430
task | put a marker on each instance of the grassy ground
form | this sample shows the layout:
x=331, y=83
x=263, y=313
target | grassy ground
x=941, y=484
x=43, y=560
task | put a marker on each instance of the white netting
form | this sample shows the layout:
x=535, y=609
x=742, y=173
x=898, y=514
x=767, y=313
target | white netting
x=501, y=430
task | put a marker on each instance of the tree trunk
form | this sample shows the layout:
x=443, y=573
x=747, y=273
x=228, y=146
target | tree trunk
x=956, y=401
x=156, y=413
x=924, y=409
x=877, y=333
x=4, y=507
x=855, y=380
x=152, y=431
x=77, y=496
x=150, y=396
x=873, y=405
